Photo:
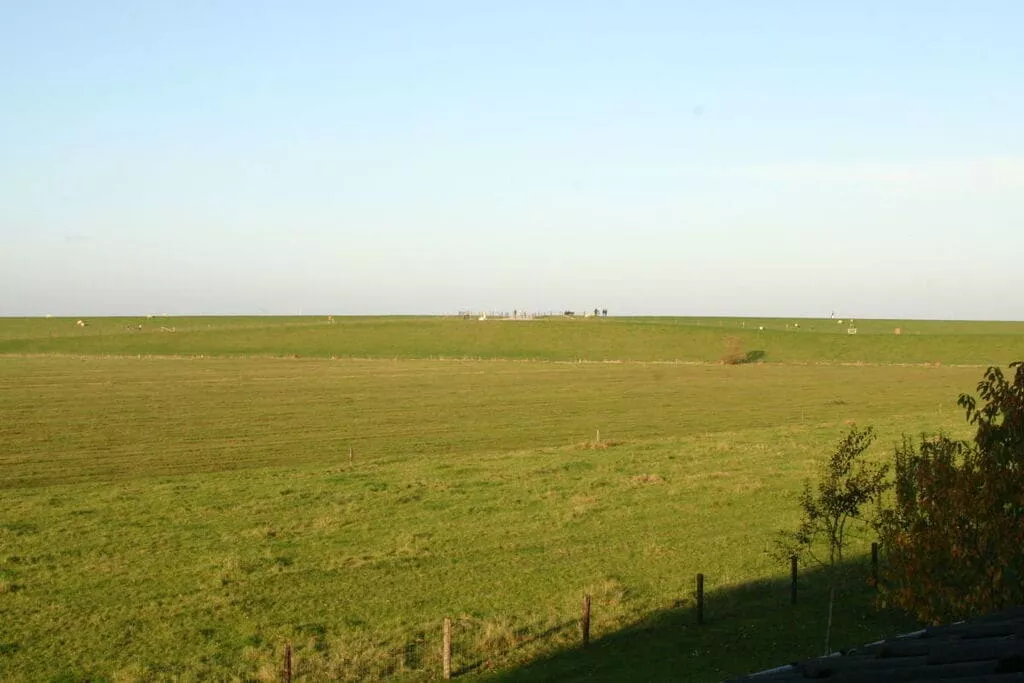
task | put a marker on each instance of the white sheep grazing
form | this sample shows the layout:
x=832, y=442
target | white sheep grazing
x=761, y=328
x=81, y=323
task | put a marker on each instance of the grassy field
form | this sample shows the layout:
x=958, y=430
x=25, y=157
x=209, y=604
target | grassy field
x=639, y=339
x=178, y=505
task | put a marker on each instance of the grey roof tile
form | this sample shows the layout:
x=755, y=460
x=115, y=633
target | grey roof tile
x=989, y=648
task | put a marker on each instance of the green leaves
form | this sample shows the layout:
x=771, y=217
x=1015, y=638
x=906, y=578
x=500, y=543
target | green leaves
x=846, y=484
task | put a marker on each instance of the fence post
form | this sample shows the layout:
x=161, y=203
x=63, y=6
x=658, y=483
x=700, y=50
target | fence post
x=446, y=650
x=874, y=564
x=700, y=598
x=585, y=621
x=792, y=580
x=288, y=663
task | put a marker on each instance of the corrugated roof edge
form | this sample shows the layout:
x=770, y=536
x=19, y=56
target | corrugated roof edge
x=1006, y=626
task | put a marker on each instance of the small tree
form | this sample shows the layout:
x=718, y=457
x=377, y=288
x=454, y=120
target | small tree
x=734, y=353
x=845, y=486
x=954, y=535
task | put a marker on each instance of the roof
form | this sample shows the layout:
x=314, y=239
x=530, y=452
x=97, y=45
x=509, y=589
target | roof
x=989, y=648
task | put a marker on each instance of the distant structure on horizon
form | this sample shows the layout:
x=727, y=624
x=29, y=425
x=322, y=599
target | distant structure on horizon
x=520, y=314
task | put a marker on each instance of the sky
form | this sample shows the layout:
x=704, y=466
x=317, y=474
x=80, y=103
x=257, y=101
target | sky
x=727, y=157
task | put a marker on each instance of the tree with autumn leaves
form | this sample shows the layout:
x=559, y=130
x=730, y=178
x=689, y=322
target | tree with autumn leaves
x=954, y=534
x=953, y=529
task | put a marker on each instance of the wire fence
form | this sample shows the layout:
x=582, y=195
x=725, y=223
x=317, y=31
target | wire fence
x=463, y=644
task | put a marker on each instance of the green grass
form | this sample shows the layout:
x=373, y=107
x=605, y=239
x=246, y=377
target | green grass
x=640, y=339
x=179, y=505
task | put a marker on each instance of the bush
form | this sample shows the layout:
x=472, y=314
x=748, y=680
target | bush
x=847, y=484
x=954, y=535
x=735, y=355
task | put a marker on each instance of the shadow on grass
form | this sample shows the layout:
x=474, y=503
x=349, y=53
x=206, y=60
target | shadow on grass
x=747, y=628
x=755, y=356
x=524, y=641
x=739, y=358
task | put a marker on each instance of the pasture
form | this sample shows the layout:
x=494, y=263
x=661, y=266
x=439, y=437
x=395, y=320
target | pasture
x=177, y=505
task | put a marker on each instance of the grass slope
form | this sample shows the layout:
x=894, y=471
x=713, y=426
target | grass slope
x=641, y=339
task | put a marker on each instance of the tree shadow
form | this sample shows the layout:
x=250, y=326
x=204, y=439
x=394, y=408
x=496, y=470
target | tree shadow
x=747, y=628
x=524, y=639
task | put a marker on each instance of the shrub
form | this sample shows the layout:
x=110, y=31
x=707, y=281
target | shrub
x=954, y=535
x=846, y=485
x=734, y=354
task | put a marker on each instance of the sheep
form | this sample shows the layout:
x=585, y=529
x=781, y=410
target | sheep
x=81, y=323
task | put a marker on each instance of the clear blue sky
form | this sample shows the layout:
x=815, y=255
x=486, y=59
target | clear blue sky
x=676, y=157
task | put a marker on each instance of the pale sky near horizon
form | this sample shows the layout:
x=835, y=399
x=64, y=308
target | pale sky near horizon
x=649, y=157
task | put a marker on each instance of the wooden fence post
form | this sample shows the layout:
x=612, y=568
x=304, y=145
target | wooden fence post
x=446, y=650
x=585, y=621
x=700, y=598
x=874, y=564
x=792, y=580
x=288, y=663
